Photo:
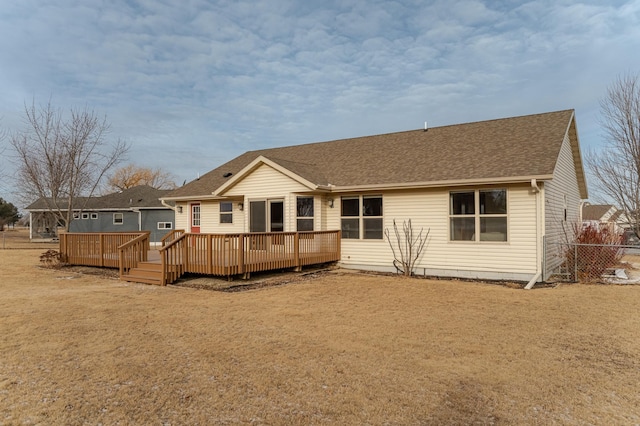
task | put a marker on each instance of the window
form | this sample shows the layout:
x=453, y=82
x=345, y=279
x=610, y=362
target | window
x=304, y=213
x=362, y=212
x=226, y=212
x=94, y=216
x=118, y=218
x=76, y=215
x=483, y=210
x=85, y=215
x=350, y=207
x=372, y=221
x=195, y=215
x=165, y=225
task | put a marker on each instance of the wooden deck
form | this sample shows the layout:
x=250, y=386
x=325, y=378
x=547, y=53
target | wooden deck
x=210, y=254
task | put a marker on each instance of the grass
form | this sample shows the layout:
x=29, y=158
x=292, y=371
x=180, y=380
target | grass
x=341, y=348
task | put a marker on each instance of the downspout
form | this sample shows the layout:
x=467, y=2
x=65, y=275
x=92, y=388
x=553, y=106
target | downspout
x=534, y=279
x=139, y=218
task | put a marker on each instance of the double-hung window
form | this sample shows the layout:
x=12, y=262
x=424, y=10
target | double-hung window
x=361, y=212
x=118, y=218
x=304, y=213
x=226, y=212
x=478, y=215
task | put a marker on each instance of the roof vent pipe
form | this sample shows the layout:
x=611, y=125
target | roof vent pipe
x=425, y=126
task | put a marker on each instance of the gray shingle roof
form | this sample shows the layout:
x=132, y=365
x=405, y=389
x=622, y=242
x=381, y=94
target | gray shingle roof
x=517, y=147
x=141, y=196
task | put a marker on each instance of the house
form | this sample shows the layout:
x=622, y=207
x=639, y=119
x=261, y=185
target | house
x=492, y=194
x=602, y=216
x=135, y=209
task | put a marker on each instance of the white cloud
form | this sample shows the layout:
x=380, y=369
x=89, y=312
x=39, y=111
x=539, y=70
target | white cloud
x=205, y=80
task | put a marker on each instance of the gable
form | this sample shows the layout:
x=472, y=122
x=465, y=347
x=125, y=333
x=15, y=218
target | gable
x=264, y=181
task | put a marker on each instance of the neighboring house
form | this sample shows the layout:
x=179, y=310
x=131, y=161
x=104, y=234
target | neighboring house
x=602, y=216
x=490, y=193
x=134, y=209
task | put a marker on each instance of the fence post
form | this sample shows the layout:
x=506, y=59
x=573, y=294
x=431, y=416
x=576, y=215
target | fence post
x=575, y=262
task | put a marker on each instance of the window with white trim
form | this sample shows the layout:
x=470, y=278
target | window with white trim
x=94, y=216
x=118, y=218
x=165, y=225
x=195, y=215
x=361, y=212
x=85, y=215
x=76, y=215
x=304, y=213
x=226, y=212
x=478, y=215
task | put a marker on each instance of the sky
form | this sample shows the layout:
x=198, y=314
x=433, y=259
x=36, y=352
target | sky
x=192, y=84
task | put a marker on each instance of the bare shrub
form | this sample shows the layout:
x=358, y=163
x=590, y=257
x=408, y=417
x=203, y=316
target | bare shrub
x=408, y=247
x=51, y=259
x=594, y=251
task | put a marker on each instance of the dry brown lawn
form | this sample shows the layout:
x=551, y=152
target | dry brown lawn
x=342, y=348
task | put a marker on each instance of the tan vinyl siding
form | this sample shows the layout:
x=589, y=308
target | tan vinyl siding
x=182, y=219
x=266, y=183
x=429, y=209
x=210, y=219
x=558, y=230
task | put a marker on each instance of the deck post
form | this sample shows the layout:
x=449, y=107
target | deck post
x=101, y=249
x=241, y=253
x=296, y=252
x=209, y=254
x=185, y=255
x=121, y=262
x=163, y=278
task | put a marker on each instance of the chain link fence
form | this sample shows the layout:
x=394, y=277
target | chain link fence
x=592, y=262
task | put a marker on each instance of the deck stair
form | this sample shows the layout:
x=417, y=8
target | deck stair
x=145, y=272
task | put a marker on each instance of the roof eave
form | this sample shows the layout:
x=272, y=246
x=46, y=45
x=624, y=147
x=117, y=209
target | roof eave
x=441, y=184
x=206, y=197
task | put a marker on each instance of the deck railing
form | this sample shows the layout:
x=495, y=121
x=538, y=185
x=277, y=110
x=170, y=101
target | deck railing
x=98, y=249
x=170, y=236
x=133, y=252
x=235, y=254
x=210, y=254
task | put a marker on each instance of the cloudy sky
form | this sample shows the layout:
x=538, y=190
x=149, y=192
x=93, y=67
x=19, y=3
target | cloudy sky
x=193, y=83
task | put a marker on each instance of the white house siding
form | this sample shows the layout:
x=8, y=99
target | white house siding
x=557, y=229
x=266, y=183
x=429, y=209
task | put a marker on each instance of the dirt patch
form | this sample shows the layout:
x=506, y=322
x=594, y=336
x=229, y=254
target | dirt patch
x=257, y=281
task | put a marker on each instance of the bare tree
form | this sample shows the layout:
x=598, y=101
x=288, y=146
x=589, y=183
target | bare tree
x=617, y=166
x=131, y=175
x=60, y=160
